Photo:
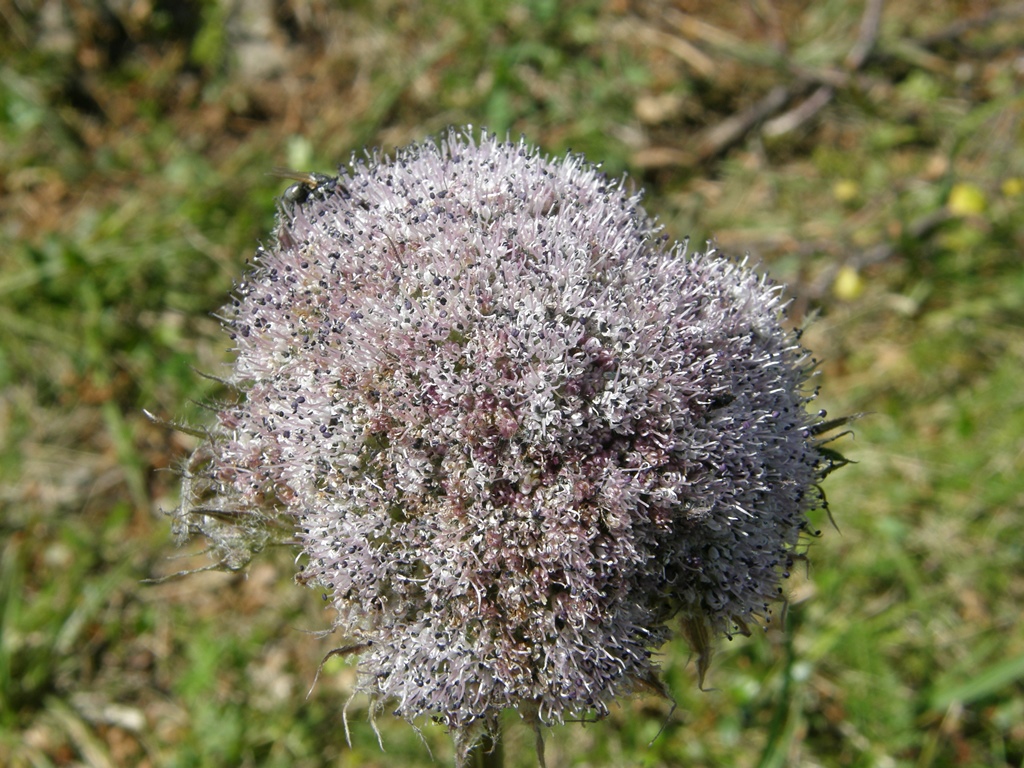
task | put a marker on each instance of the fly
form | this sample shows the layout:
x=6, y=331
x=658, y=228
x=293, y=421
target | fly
x=309, y=185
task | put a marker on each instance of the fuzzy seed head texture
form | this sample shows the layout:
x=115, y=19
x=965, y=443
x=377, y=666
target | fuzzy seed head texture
x=516, y=432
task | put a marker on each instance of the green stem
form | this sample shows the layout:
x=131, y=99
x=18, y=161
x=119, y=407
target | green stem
x=488, y=752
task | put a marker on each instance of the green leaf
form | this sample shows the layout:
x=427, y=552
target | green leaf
x=985, y=683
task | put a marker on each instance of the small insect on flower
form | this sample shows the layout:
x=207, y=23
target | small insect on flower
x=308, y=186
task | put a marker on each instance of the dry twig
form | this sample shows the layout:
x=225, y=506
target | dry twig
x=855, y=59
x=811, y=90
x=919, y=229
x=958, y=29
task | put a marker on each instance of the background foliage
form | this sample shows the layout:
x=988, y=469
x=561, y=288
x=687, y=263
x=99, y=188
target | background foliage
x=872, y=156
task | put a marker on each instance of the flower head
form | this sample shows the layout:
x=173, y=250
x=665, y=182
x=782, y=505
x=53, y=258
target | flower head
x=516, y=430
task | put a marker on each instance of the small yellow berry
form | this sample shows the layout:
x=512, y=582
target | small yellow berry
x=845, y=190
x=1013, y=187
x=966, y=200
x=848, y=284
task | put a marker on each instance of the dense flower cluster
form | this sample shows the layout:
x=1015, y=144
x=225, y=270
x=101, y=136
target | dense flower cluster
x=515, y=429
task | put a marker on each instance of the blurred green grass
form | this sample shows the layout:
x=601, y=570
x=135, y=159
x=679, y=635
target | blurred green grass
x=136, y=143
